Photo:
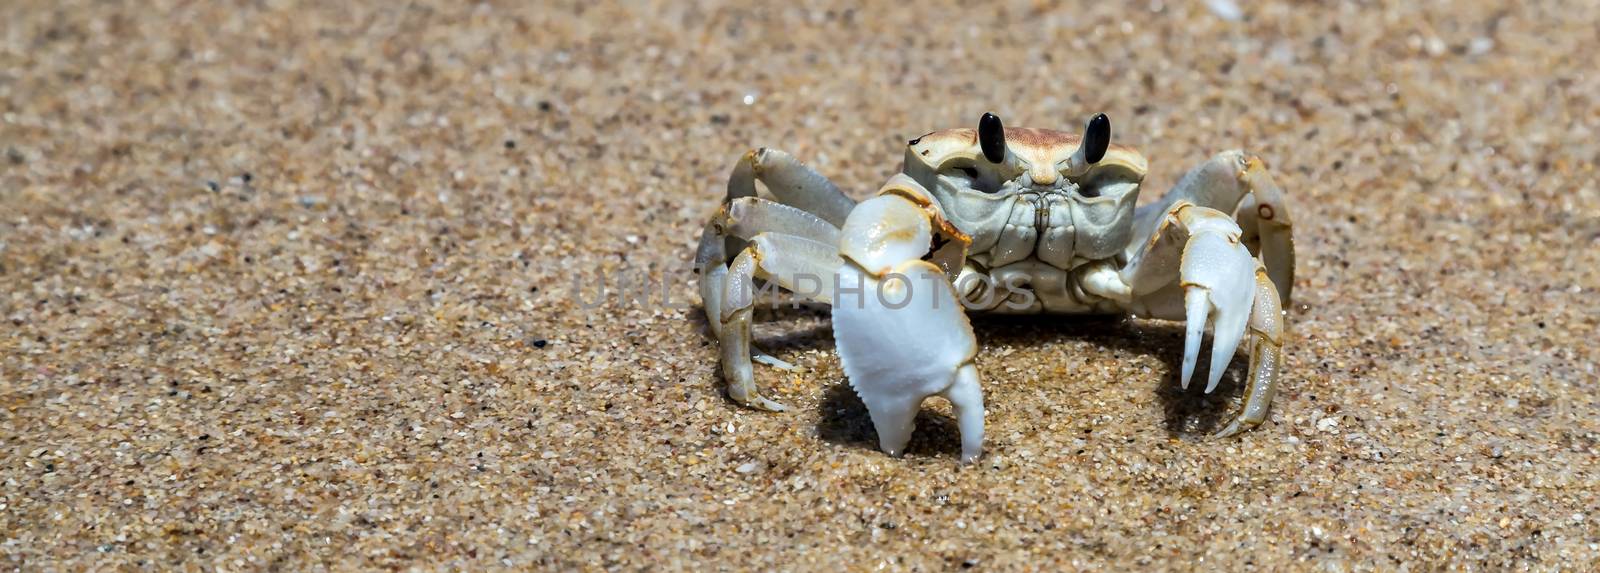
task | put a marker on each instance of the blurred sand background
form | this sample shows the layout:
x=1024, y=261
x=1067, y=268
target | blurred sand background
x=290, y=285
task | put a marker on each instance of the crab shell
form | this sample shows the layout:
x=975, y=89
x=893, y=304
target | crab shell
x=1101, y=209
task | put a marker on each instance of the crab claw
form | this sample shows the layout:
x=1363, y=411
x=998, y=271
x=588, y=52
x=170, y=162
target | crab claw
x=1219, y=280
x=903, y=340
x=1221, y=286
x=901, y=333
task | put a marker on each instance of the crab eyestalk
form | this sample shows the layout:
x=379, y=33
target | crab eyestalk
x=1096, y=138
x=992, y=138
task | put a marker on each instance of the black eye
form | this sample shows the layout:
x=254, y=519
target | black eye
x=992, y=138
x=1096, y=138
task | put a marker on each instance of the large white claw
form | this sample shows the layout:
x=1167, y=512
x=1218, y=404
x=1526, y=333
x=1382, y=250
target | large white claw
x=902, y=339
x=1222, y=287
x=1218, y=278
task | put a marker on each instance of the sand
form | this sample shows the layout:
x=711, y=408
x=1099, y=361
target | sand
x=292, y=286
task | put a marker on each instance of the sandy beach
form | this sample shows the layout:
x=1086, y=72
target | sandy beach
x=314, y=286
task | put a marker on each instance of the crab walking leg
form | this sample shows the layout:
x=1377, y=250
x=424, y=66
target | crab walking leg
x=711, y=261
x=1238, y=183
x=1216, y=277
x=1266, y=356
x=901, y=333
x=746, y=217
x=1264, y=214
x=742, y=219
x=774, y=257
x=791, y=182
x=796, y=186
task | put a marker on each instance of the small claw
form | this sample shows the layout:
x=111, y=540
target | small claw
x=1227, y=323
x=1197, y=303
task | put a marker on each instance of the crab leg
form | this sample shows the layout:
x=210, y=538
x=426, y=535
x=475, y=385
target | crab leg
x=902, y=335
x=791, y=182
x=1238, y=183
x=746, y=217
x=1266, y=356
x=1264, y=216
x=729, y=295
x=809, y=206
x=1220, y=286
x=711, y=261
x=738, y=220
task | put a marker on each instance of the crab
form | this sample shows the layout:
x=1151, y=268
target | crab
x=1020, y=221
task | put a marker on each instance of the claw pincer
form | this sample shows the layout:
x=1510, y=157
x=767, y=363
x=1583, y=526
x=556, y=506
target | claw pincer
x=901, y=332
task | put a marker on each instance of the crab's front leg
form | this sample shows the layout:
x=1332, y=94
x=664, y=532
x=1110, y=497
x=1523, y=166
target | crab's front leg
x=1238, y=183
x=1219, y=284
x=901, y=333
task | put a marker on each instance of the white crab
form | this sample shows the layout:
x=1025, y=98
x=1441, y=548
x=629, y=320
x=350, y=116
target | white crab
x=1020, y=221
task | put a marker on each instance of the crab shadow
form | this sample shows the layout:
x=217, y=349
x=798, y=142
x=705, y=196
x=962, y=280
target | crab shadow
x=844, y=420
x=802, y=326
x=1187, y=414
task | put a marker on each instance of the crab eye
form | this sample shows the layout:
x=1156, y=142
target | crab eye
x=992, y=138
x=1096, y=138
